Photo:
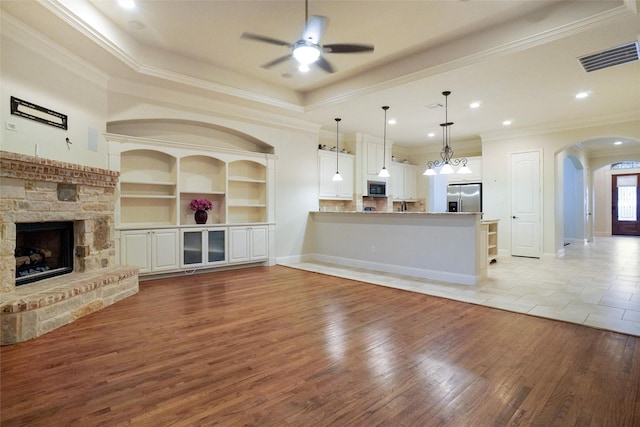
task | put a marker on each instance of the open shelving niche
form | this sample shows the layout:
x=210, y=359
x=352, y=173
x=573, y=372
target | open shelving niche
x=148, y=188
x=202, y=177
x=157, y=185
x=247, y=201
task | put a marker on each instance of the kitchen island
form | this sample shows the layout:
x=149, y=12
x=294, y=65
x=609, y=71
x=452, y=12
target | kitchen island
x=447, y=247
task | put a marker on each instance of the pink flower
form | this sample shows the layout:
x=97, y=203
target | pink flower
x=200, y=205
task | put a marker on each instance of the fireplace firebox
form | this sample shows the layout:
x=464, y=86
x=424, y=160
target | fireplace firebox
x=43, y=250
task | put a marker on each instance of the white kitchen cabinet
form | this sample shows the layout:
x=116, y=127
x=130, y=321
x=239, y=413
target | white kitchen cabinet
x=375, y=158
x=248, y=244
x=336, y=190
x=403, y=181
x=475, y=164
x=151, y=250
x=203, y=247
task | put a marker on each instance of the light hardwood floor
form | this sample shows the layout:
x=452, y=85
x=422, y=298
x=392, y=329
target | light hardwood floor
x=276, y=346
x=595, y=284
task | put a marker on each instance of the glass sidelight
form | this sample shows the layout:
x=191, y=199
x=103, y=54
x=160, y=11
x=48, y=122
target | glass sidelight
x=627, y=186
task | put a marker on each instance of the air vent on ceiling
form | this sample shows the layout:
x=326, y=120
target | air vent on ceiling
x=609, y=58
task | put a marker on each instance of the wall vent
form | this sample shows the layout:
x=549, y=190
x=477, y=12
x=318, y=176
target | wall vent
x=610, y=58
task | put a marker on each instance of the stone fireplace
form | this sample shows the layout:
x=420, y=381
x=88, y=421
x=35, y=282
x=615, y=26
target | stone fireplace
x=41, y=191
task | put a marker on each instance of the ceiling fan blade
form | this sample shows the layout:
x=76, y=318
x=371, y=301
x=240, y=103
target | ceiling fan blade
x=314, y=29
x=347, y=48
x=325, y=65
x=276, y=61
x=270, y=40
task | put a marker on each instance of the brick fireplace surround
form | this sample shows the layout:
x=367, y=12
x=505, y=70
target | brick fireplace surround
x=33, y=189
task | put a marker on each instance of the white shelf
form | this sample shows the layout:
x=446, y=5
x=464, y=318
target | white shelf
x=241, y=179
x=197, y=193
x=142, y=182
x=247, y=205
x=145, y=196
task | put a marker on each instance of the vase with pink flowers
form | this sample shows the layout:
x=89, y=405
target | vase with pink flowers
x=201, y=206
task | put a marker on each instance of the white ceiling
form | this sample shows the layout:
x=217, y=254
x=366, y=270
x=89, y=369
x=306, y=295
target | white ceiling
x=518, y=58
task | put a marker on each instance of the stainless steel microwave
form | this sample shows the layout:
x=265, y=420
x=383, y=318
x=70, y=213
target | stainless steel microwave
x=377, y=188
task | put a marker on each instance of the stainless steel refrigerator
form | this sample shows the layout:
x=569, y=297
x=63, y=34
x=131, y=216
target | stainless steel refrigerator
x=464, y=197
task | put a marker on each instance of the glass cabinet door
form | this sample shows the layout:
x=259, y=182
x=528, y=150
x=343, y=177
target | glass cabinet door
x=192, y=247
x=216, y=245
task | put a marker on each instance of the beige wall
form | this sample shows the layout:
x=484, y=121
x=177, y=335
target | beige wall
x=553, y=147
x=33, y=72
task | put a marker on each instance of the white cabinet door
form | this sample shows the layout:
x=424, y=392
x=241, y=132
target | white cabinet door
x=327, y=167
x=346, y=186
x=238, y=244
x=397, y=181
x=203, y=247
x=259, y=243
x=164, y=250
x=248, y=244
x=150, y=250
x=410, y=184
x=330, y=189
x=135, y=249
x=473, y=163
x=375, y=156
x=403, y=181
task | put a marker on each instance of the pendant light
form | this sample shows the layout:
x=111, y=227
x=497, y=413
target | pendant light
x=446, y=154
x=384, y=173
x=337, y=176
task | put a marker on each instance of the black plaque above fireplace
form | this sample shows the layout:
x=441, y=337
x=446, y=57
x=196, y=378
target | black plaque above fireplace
x=43, y=250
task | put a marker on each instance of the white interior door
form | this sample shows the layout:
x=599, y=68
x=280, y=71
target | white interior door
x=526, y=226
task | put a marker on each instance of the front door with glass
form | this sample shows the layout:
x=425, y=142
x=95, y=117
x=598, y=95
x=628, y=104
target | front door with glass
x=624, y=200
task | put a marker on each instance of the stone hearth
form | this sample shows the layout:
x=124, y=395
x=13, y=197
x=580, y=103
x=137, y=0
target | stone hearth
x=33, y=189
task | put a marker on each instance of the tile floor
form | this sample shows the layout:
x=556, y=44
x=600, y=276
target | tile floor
x=595, y=284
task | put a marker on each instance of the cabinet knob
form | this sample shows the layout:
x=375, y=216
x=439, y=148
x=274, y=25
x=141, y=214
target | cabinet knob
x=514, y=217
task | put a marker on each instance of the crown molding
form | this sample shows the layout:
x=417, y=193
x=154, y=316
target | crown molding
x=29, y=38
x=78, y=15
x=582, y=123
x=206, y=106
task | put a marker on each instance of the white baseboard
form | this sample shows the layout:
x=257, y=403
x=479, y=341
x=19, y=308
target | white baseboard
x=442, y=276
x=294, y=258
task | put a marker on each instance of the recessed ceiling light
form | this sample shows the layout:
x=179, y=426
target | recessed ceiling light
x=582, y=95
x=507, y=123
x=474, y=104
x=392, y=121
x=617, y=143
x=127, y=4
x=431, y=134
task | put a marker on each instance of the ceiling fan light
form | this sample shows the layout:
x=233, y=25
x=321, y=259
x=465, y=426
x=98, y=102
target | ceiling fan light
x=303, y=68
x=446, y=169
x=306, y=53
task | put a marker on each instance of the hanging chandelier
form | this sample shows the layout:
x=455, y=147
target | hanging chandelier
x=337, y=176
x=447, y=160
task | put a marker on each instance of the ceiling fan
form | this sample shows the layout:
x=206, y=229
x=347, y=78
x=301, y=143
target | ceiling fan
x=308, y=49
